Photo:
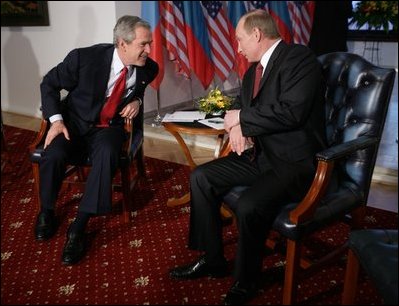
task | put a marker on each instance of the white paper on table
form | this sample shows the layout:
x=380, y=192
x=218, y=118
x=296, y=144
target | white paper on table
x=184, y=116
x=216, y=123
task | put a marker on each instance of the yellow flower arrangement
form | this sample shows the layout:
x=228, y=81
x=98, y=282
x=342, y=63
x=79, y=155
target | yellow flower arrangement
x=377, y=14
x=214, y=102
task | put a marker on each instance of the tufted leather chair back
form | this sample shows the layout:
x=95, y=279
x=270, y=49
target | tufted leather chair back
x=357, y=100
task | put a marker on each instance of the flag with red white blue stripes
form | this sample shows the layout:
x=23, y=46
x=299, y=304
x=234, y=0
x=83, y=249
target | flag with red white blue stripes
x=174, y=32
x=301, y=13
x=219, y=37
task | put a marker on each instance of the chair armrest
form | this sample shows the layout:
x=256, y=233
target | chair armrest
x=226, y=149
x=306, y=208
x=346, y=148
x=40, y=137
x=127, y=145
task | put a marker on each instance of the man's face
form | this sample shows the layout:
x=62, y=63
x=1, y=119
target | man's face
x=137, y=51
x=247, y=42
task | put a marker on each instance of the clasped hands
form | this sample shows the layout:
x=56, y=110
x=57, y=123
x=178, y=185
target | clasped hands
x=232, y=126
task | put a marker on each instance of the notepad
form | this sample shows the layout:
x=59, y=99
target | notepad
x=184, y=116
x=216, y=123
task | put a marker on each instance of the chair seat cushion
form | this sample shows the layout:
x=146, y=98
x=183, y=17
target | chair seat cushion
x=334, y=204
x=377, y=251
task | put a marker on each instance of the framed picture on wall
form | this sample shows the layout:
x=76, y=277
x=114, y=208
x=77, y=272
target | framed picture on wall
x=24, y=13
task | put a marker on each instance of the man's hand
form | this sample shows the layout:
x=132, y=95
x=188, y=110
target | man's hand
x=56, y=128
x=237, y=141
x=232, y=118
x=131, y=110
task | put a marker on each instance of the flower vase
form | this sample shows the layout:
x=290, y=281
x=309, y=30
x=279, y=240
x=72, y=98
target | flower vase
x=217, y=113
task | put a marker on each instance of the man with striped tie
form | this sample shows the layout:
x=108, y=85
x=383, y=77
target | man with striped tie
x=105, y=84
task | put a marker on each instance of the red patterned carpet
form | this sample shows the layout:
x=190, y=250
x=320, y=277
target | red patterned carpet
x=129, y=264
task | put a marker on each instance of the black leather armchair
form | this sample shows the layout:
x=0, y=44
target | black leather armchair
x=357, y=99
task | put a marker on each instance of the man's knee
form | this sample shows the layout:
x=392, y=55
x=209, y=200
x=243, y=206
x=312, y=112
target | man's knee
x=198, y=176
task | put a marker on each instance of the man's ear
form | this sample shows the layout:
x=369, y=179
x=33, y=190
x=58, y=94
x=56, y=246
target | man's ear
x=121, y=44
x=258, y=34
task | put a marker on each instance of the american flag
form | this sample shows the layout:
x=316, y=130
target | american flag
x=301, y=14
x=255, y=5
x=173, y=30
x=219, y=37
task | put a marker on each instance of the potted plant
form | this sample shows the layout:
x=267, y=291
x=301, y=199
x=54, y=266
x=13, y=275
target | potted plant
x=378, y=15
x=215, y=103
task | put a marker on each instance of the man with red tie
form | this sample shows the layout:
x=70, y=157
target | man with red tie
x=282, y=113
x=105, y=84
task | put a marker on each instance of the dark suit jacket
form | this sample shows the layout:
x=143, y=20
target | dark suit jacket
x=84, y=74
x=287, y=117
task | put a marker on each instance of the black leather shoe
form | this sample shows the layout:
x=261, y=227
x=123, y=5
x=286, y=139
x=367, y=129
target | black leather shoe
x=46, y=226
x=240, y=294
x=74, y=249
x=198, y=269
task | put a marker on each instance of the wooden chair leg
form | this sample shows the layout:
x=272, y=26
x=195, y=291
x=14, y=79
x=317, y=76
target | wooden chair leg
x=126, y=190
x=291, y=272
x=140, y=163
x=351, y=278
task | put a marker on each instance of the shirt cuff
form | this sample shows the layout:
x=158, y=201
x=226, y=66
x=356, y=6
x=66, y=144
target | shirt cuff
x=55, y=117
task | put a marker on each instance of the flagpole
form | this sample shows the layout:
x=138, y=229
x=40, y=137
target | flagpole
x=157, y=118
x=191, y=92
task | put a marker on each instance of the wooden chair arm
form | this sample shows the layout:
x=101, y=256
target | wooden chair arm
x=308, y=205
x=40, y=136
x=326, y=159
x=44, y=126
x=127, y=145
x=226, y=148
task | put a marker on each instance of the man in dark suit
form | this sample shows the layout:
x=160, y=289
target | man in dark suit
x=285, y=122
x=77, y=126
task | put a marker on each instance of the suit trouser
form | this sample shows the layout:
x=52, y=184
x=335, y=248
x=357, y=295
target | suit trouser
x=256, y=210
x=103, y=145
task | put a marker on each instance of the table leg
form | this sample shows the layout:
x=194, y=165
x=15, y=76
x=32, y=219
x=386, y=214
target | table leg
x=179, y=201
x=185, y=149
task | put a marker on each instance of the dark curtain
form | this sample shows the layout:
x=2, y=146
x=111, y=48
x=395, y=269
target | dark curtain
x=330, y=26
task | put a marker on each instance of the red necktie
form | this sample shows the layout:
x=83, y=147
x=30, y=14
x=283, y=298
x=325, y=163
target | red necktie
x=108, y=111
x=258, y=76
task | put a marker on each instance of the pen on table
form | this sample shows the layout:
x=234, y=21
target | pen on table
x=215, y=121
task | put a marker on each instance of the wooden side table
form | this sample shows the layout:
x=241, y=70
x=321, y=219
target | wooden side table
x=194, y=128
